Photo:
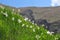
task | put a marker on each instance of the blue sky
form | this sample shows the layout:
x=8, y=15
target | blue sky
x=26, y=3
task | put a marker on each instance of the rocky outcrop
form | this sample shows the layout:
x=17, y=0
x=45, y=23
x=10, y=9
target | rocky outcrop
x=55, y=26
x=51, y=14
x=28, y=13
x=51, y=26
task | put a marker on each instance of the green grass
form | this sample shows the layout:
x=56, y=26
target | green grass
x=11, y=29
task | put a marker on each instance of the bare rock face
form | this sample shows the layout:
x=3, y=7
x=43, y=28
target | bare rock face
x=51, y=14
x=44, y=22
x=28, y=13
x=55, y=26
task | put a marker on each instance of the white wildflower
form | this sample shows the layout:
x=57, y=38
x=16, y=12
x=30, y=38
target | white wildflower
x=2, y=6
x=26, y=19
x=32, y=23
x=13, y=10
x=26, y=25
x=18, y=10
x=13, y=18
x=52, y=32
x=5, y=14
x=35, y=24
x=19, y=21
x=43, y=25
x=38, y=28
x=30, y=26
x=48, y=32
x=56, y=38
x=23, y=25
x=29, y=20
x=33, y=30
x=37, y=37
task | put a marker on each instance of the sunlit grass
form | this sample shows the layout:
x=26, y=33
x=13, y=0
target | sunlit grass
x=14, y=27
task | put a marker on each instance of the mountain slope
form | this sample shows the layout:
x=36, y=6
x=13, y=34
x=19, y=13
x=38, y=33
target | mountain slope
x=51, y=14
x=14, y=27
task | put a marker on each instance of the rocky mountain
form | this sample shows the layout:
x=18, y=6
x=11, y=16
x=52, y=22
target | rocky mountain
x=51, y=14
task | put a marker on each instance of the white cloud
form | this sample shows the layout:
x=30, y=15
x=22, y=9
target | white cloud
x=55, y=2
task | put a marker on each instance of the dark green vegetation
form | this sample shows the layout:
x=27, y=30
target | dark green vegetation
x=14, y=27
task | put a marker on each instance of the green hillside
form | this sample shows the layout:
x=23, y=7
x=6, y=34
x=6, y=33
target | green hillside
x=14, y=27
